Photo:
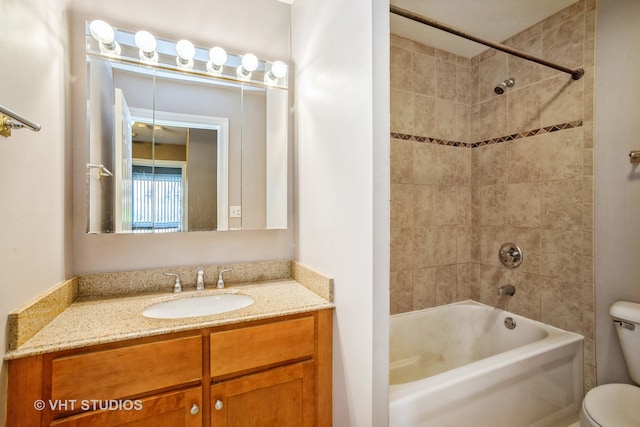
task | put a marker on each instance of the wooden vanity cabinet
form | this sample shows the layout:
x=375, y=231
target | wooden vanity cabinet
x=268, y=372
x=280, y=396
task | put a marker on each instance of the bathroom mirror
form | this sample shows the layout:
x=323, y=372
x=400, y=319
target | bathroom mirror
x=173, y=151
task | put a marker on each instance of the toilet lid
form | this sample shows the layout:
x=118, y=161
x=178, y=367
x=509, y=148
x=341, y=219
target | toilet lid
x=614, y=405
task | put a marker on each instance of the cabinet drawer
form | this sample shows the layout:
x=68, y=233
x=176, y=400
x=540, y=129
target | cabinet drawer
x=251, y=348
x=127, y=371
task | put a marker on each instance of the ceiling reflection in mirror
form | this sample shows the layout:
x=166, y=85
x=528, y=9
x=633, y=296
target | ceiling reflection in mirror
x=187, y=149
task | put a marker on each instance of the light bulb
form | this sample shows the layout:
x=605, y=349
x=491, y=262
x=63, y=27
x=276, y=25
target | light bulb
x=147, y=45
x=104, y=34
x=102, y=31
x=249, y=64
x=278, y=69
x=217, y=58
x=186, y=51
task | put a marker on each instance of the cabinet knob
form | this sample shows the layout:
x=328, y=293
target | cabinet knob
x=195, y=409
x=218, y=405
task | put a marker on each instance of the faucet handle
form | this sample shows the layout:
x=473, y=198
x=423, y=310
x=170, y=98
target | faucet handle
x=220, y=284
x=177, y=286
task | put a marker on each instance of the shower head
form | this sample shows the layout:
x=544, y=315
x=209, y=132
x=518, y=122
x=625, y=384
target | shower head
x=503, y=85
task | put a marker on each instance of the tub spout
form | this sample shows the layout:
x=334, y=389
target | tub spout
x=506, y=290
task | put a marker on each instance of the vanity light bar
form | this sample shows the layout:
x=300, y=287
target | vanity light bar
x=144, y=49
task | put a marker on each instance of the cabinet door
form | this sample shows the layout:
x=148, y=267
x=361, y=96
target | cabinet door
x=176, y=409
x=283, y=397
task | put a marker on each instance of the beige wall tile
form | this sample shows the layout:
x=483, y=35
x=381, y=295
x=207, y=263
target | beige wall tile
x=492, y=204
x=463, y=244
x=523, y=204
x=490, y=240
x=445, y=245
x=561, y=257
x=490, y=164
x=489, y=120
x=424, y=115
x=401, y=257
x=401, y=63
x=560, y=100
x=423, y=72
x=454, y=164
x=446, y=120
x=560, y=307
x=446, y=284
x=446, y=73
x=523, y=109
x=424, y=288
x=561, y=204
x=527, y=72
x=401, y=111
x=561, y=154
x=464, y=93
x=401, y=161
x=425, y=246
x=402, y=200
x=401, y=292
x=464, y=287
x=523, y=160
x=564, y=43
x=425, y=164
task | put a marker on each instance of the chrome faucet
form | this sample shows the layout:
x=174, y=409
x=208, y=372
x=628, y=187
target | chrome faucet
x=220, y=284
x=507, y=290
x=200, y=280
x=177, y=286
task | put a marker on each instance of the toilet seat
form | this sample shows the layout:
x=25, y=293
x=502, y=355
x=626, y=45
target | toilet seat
x=613, y=405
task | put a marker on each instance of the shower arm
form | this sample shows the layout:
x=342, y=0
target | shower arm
x=575, y=74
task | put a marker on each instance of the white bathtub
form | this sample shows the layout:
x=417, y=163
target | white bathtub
x=459, y=365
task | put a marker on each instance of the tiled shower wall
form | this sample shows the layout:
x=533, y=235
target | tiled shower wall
x=471, y=170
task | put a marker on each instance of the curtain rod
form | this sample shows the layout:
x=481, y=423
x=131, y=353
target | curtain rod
x=575, y=74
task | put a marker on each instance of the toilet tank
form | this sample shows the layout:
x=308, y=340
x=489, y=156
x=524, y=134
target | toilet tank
x=626, y=316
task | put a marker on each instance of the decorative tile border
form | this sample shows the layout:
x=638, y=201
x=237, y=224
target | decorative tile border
x=524, y=134
x=429, y=140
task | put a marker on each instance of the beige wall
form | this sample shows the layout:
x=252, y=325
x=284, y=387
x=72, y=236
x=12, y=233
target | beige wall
x=35, y=253
x=342, y=188
x=515, y=177
x=617, y=180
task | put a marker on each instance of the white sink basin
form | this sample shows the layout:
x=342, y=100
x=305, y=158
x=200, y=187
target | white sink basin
x=198, y=306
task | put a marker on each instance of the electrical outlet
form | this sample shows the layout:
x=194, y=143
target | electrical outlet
x=235, y=212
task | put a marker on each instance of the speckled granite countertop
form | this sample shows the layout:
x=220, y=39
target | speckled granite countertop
x=98, y=321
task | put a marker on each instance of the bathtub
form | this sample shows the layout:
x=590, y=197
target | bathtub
x=459, y=365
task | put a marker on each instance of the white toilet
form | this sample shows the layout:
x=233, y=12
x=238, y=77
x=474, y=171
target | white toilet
x=618, y=405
